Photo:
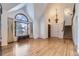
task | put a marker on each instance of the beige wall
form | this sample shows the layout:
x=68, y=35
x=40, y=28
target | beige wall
x=56, y=28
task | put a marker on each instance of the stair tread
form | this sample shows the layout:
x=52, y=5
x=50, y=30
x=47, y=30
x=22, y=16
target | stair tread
x=68, y=32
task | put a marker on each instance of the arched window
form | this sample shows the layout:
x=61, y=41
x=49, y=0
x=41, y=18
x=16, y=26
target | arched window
x=22, y=23
x=21, y=18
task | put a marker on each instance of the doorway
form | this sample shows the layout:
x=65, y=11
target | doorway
x=49, y=30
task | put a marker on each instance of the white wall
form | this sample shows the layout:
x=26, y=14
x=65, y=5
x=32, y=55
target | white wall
x=43, y=28
x=36, y=11
x=75, y=28
x=31, y=12
x=40, y=10
x=4, y=33
x=29, y=8
x=68, y=10
x=56, y=28
x=76, y=37
x=78, y=33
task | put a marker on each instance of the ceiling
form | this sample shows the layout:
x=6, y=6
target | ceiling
x=66, y=7
x=8, y=6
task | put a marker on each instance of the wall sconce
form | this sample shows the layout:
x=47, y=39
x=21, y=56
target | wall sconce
x=49, y=21
x=56, y=20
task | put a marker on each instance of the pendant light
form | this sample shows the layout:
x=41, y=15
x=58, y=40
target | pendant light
x=56, y=20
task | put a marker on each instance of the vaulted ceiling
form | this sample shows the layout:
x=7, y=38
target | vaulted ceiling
x=8, y=6
x=64, y=6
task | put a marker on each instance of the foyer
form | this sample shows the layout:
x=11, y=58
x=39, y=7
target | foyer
x=38, y=29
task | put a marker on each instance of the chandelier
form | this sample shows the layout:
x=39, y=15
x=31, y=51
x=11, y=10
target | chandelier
x=56, y=20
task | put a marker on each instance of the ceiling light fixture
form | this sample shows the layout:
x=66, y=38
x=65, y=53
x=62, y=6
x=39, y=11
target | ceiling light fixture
x=56, y=20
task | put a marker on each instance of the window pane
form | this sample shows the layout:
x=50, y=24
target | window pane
x=21, y=25
x=21, y=18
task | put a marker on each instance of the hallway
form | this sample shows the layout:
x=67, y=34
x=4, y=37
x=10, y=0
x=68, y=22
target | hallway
x=40, y=47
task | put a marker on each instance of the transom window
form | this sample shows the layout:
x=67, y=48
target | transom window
x=21, y=18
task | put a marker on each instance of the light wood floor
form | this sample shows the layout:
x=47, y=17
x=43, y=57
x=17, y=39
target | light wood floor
x=40, y=47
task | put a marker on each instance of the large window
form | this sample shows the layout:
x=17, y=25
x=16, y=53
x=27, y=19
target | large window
x=22, y=23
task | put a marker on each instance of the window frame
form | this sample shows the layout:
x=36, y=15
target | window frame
x=21, y=22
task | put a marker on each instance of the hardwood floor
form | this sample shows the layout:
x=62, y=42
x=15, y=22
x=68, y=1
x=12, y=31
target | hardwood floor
x=39, y=47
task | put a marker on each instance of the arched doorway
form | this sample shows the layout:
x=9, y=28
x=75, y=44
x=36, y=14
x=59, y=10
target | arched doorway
x=22, y=26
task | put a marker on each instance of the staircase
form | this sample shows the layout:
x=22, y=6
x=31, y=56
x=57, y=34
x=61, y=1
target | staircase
x=68, y=32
